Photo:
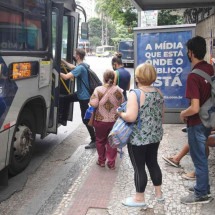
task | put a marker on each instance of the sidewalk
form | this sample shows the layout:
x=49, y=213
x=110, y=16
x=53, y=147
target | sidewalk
x=99, y=191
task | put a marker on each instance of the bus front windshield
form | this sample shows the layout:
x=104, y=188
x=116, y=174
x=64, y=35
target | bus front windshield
x=126, y=45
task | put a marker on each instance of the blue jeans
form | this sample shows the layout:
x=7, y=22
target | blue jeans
x=197, y=137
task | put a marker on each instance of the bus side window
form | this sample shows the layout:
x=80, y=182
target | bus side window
x=31, y=37
x=33, y=34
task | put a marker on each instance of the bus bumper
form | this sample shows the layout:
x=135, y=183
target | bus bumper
x=127, y=61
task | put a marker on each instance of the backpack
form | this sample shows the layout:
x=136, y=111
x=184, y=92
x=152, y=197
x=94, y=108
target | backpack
x=207, y=110
x=93, y=79
x=120, y=133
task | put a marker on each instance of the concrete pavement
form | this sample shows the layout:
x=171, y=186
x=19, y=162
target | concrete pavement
x=99, y=191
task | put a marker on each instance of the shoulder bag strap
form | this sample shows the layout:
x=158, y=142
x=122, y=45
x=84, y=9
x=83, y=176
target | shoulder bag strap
x=85, y=66
x=117, y=72
x=104, y=93
x=138, y=93
x=208, y=78
x=203, y=74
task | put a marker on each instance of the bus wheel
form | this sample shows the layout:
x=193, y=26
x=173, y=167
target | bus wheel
x=23, y=143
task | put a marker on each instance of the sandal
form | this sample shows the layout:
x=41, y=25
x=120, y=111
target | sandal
x=189, y=176
x=112, y=167
x=171, y=161
x=100, y=164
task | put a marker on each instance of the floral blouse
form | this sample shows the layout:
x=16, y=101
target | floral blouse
x=106, y=100
x=151, y=130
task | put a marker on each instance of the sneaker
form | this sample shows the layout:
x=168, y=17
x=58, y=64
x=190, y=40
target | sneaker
x=184, y=129
x=131, y=203
x=171, y=161
x=191, y=199
x=189, y=176
x=91, y=145
x=63, y=122
x=191, y=190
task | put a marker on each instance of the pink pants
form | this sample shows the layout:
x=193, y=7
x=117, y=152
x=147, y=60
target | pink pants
x=105, y=151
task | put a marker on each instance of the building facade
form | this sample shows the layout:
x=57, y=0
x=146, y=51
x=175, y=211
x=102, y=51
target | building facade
x=89, y=6
x=149, y=18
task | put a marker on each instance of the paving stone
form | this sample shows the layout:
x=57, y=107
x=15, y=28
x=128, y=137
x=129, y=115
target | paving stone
x=174, y=186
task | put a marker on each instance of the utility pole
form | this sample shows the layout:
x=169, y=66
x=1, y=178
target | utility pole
x=106, y=33
x=102, y=41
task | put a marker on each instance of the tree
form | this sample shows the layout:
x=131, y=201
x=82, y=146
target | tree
x=120, y=16
x=120, y=11
x=95, y=27
x=168, y=17
x=95, y=32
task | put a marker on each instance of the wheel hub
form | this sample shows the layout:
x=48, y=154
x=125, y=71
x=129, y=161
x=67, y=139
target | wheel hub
x=23, y=141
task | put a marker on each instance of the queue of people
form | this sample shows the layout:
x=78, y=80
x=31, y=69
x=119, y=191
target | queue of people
x=144, y=143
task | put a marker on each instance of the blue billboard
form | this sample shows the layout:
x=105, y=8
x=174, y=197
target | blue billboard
x=167, y=52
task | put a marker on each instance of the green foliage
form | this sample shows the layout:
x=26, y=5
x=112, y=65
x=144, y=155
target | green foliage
x=120, y=11
x=123, y=32
x=95, y=27
x=95, y=32
x=95, y=41
x=166, y=17
x=121, y=16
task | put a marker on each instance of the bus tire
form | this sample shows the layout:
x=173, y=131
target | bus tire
x=22, y=146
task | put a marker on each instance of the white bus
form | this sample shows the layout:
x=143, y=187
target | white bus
x=31, y=43
x=104, y=51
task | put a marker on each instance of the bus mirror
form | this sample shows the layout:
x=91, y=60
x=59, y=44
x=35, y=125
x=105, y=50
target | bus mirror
x=84, y=31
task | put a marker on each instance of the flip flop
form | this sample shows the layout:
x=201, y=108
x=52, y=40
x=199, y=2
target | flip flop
x=170, y=161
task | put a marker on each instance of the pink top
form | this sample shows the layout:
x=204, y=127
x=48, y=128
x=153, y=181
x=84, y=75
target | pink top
x=106, y=100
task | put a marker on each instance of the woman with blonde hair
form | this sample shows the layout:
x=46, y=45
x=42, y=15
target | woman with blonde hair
x=144, y=143
x=106, y=99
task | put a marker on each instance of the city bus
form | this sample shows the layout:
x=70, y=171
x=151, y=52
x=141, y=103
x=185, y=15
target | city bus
x=104, y=51
x=32, y=36
x=126, y=48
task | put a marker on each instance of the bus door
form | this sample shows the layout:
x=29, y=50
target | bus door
x=56, y=29
x=71, y=26
x=63, y=43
